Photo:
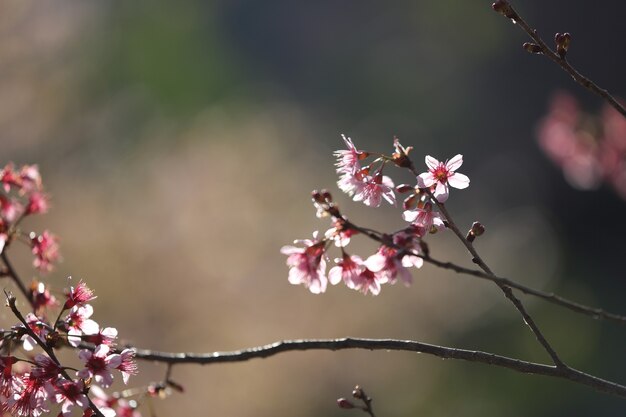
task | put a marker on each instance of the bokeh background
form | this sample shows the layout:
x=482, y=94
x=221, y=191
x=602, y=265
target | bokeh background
x=180, y=142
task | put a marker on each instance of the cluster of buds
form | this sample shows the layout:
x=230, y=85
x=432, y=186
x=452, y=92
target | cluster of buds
x=358, y=394
x=22, y=195
x=590, y=150
x=399, y=251
x=29, y=385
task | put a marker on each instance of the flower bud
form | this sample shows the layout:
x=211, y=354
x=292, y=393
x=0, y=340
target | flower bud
x=532, y=48
x=504, y=8
x=477, y=229
x=409, y=202
x=343, y=403
x=317, y=196
x=562, y=41
x=358, y=393
x=404, y=188
x=327, y=196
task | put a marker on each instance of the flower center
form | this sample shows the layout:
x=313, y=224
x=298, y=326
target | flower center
x=441, y=173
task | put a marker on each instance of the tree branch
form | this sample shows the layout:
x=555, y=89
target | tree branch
x=505, y=8
x=443, y=352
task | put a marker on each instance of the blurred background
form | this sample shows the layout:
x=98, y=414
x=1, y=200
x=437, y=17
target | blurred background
x=180, y=141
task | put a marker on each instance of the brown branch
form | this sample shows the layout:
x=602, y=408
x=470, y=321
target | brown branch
x=540, y=47
x=593, y=312
x=12, y=273
x=275, y=348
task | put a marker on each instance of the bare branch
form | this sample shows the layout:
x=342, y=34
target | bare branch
x=540, y=47
x=275, y=348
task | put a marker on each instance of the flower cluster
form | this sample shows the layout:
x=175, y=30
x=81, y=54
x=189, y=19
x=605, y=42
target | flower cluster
x=398, y=251
x=590, y=151
x=21, y=196
x=29, y=391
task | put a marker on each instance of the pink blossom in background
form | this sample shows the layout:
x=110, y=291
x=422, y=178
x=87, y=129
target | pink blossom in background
x=70, y=394
x=45, y=247
x=590, y=151
x=442, y=175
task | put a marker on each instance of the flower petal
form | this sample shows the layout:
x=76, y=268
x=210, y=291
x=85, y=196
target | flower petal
x=425, y=180
x=431, y=162
x=459, y=181
x=441, y=192
x=454, y=163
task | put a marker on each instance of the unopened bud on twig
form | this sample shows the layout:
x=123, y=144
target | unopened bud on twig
x=358, y=393
x=532, y=48
x=562, y=41
x=476, y=230
x=504, y=8
x=343, y=403
x=404, y=188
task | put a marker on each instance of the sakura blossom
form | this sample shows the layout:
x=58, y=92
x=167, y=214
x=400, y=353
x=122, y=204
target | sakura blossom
x=424, y=218
x=374, y=189
x=388, y=265
x=442, y=175
x=99, y=365
x=348, y=160
x=368, y=281
x=79, y=295
x=70, y=394
x=79, y=323
x=307, y=265
x=45, y=247
x=347, y=269
x=127, y=366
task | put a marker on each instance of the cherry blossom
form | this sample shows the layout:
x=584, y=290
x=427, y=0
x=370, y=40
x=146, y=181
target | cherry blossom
x=424, y=218
x=348, y=160
x=307, y=265
x=128, y=366
x=368, y=281
x=441, y=175
x=374, y=189
x=347, y=269
x=387, y=265
x=79, y=295
x=30, y=399
x=78, y=322
x=99, y=365
x=70, y=393
x=46, y=250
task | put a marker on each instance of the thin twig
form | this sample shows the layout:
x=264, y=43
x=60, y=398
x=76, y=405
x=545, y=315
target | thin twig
x=561, y=61
x=385, y=344
x=16, y=279
x=593, y=312
x=508, y=292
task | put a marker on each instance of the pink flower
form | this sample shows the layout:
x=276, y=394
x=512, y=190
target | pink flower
x=41, y=296
x=307, y=265
x=374, y=189
x=347, y=269
x=128, y=366
x=440, y=175
x=45, y=247
x=38, y=327
x=70, y=393
x=339, y=235
x=38, y=203
x=423, y=218
x=105, y=336
x=30, y=178
x=79, y=295
x=348, y=160
x=7, y=378
x=45, y=368
x=387, y=266
x=99, y=364
x=78, y=322
x=9, y=178
x=31, y=398
x=10, y=209
x=367, y=281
